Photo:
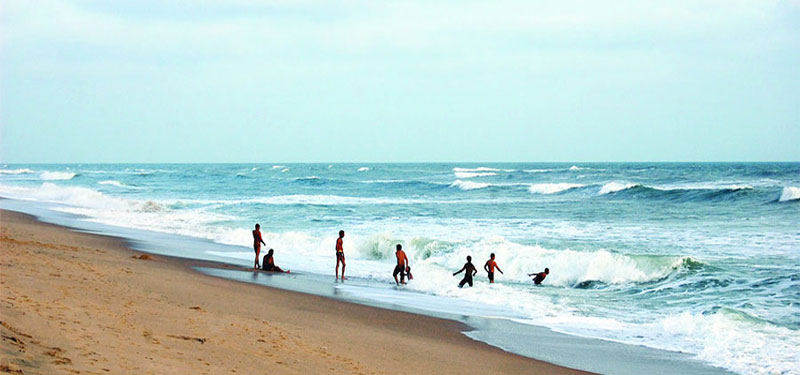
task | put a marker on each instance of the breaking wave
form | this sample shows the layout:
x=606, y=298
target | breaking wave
x=16, y=171
x=552, y=188
x=469, y=185
x=790, y=193
x=52, y=176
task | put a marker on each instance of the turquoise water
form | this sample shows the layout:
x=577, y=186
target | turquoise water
x=701, y=258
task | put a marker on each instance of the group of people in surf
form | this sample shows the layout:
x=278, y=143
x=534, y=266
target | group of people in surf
x=402, y=269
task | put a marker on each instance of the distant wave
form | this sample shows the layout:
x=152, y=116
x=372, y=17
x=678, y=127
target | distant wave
x=278, y=167
x=469, y=185
x=790, y=193
x=684, y=193
x=474, y=174
x=117, y=184
x=614, y=186
x=383, y=181
x=552, y=188
x=481, y=169
x=309, y=178
x=538, y=170
x=363, y=169
x=284, y=170
x=16, y=171
x=51, y=176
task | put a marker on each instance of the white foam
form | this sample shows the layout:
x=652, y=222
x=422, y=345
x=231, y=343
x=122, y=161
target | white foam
x=552, y=188
x=481, y=169
x=704, y=186
x=284, y=170
x=733, y=341
x=614, y=186
x=576, y=168
x=16, y=171
x=790, y=193
x=474, y=174
x=363, y=169
x=71, y=195
x=52, y=176
x=469, y=185
x=278, y=167
x=117, y=184
x=538, y=170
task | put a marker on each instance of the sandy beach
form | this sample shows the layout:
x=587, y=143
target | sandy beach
x=80, y=303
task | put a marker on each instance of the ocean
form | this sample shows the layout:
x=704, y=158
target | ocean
x=697, y=258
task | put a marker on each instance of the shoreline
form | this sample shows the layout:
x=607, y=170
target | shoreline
x=95, y=308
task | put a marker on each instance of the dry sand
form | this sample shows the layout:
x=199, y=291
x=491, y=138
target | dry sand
x=75, y=303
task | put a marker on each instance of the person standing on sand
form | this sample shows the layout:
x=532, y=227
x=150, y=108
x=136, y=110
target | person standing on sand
x=540, y=276
x=257, y=241
x=490, y=266
x=340, y=255
x=471, y=271
x=402, y=265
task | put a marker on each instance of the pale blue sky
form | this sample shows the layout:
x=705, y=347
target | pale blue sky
x=303, y=81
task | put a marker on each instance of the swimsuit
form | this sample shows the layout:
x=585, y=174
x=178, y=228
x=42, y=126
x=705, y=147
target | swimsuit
x=492, y=264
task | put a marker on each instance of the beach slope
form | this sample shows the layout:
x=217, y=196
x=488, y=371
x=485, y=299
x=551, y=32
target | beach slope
x=76, y=303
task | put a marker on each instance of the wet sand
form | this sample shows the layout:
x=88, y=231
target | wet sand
x=80, y=303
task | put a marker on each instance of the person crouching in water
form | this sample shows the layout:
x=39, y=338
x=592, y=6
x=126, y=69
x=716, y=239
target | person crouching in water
x=471, y=271
x=269, y=263
x=540, y=276
x=402, y=265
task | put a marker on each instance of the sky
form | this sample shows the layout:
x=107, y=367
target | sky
x=399, y=81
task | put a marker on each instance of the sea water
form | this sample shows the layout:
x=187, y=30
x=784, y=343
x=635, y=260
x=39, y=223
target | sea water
x=699, y=258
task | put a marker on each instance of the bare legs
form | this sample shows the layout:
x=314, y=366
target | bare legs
x=340, y=259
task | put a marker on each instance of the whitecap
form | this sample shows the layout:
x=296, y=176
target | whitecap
x=51, y=176
x=613, y=187
x=552, y=188
x=16, y=171
x=363, y=169
x=113, y=183
x=790, y=193
x=469, y=185
x=474, y=174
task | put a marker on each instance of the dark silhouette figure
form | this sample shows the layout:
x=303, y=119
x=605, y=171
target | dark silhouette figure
x=257, y=241
x=269, y=263
x=471, y=271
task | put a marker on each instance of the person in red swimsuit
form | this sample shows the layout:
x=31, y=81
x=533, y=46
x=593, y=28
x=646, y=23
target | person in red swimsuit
x=340, y=255
x=490, y=266
x=257, y=241
x=402, y=265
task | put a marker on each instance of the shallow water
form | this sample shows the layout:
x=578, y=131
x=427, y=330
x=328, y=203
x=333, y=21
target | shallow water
x=697, y=258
